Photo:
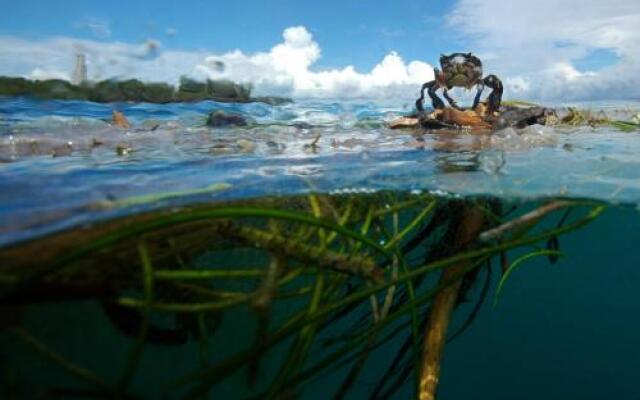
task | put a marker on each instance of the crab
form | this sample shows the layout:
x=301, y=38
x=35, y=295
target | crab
x=461, y=70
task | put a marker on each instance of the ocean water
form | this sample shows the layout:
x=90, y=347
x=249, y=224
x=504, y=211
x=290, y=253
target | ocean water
x=61, y=161
x=559, y=330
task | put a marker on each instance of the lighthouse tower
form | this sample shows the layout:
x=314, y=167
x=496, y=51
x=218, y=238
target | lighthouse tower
x=80, y=70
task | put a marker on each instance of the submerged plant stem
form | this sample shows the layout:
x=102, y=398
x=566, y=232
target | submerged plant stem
x=332, y=257
x=472, y=219
x=526, y=219
x=60, y=360
x=471, y=259
x=320, y=255
x=206, y=274
x=135, y=353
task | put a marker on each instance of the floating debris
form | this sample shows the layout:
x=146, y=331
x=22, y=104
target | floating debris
x=123, y=149
x=60, y=151
x=313, y=146
x=221, y=119
x=404, y=122
x=118, y=119
x=246, y=146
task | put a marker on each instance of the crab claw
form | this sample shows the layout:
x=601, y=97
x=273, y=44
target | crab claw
x=431, y=87
x=495, y=97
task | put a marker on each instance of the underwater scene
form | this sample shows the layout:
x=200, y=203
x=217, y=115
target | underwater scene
x=306, y=251
x=184, y=223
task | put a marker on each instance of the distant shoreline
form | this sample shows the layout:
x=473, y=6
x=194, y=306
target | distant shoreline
x=133, y=90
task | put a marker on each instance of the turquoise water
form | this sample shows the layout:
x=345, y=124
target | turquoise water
x=562, y=331
x=559, y=331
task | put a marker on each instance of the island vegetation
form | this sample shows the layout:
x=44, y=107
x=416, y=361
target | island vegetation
x=106, y=91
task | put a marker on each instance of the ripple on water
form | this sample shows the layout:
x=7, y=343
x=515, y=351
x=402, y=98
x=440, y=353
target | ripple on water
x=59, y=157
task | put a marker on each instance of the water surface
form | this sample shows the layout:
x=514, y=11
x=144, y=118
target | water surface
x=64, y=164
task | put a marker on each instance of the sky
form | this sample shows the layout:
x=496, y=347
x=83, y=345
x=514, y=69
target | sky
x=543, y=50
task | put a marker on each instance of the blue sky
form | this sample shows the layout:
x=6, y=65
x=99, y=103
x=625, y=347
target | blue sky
x=352, y=32
x=547, y=49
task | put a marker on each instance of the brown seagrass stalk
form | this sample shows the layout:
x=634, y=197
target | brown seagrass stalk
x=472, y=220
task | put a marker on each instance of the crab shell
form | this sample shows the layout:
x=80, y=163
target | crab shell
x=459, y=70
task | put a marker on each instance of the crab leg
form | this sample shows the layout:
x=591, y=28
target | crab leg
x=495, y=97
x=437, y=103
x=476, y=100
x=451, y=100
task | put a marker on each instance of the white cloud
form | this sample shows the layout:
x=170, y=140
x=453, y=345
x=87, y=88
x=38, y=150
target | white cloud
x=286, y=69
x=535, y=46
x=43, y=74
